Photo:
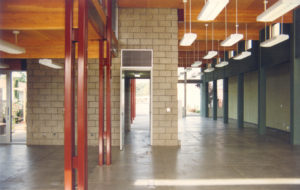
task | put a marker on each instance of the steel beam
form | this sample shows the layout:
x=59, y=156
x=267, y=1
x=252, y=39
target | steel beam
x=69, y=102
x=101, y=103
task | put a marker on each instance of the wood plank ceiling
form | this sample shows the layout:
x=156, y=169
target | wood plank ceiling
x=42, y=25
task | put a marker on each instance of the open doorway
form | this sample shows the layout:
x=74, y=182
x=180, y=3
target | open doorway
x=140, y=125
x=13, y=98
x=18, y=110
x=135, y=108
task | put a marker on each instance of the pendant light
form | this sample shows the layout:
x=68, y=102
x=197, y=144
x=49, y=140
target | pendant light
x=10, y=48
x=212, y=9
x=188, y=38
x=275, y=38
x=198, y=62
x=245, y=53
x=209, y=68
x=211, y=54
x=224, y=62
x=277, y=10
x=187, y=69
x=233, y=38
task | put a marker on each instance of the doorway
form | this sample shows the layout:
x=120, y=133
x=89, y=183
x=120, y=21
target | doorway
x=135, y=109
x=136, y=64
x=13, y=98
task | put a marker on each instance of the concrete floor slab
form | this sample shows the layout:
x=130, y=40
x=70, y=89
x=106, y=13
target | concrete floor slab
x=210, y=150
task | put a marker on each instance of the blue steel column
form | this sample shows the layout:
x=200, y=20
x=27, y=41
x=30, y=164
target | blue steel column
x=295, y=80
x=215, y=100
x=261, y=93
x=225, y=100
x=240, y=108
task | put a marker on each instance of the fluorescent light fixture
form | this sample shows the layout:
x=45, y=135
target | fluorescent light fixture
x=188, y=39
x=222, y=64
x=137, y=75
x=49, y=63
x=187, y=69
x=275, y=40
x=277, y=10
x=212, y=9
x=208, y=70
x=231, y=40
x=210, y=55
x=242, y=55
x=11, y=48
x=197, y=63
x=4, y=66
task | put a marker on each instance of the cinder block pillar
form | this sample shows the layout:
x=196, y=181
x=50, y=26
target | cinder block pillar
x=225, y=100
x=215, y=100
x=240, y=104
x=295, y=79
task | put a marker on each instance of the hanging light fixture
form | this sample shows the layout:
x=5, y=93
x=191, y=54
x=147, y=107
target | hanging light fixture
x=4, y=65
x=275, y=38
x=212, y=9
x=245, y=53
x=198, y=62
x=224, y=62
x=10, y=48
x=209, y=68
x=277, y=10
x=187, y=69
x=211, y=54
x=233, y=38
x=49, y=63
x=188, y=38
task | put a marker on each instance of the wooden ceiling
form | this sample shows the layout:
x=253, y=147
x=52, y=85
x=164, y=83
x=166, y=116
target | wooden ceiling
x=41, y=23
x=248, y=10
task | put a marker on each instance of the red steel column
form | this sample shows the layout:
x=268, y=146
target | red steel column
x=108, y=109
x=108, y=74
x=69, y=114
x=131, y=101
x=82, y=94
x=134, y=99
x=101, y=104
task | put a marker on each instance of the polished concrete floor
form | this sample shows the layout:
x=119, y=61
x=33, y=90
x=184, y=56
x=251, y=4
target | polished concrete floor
x=212, y=157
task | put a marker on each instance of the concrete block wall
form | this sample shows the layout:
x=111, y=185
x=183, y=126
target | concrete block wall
x=155, y=29
x=45, y=103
